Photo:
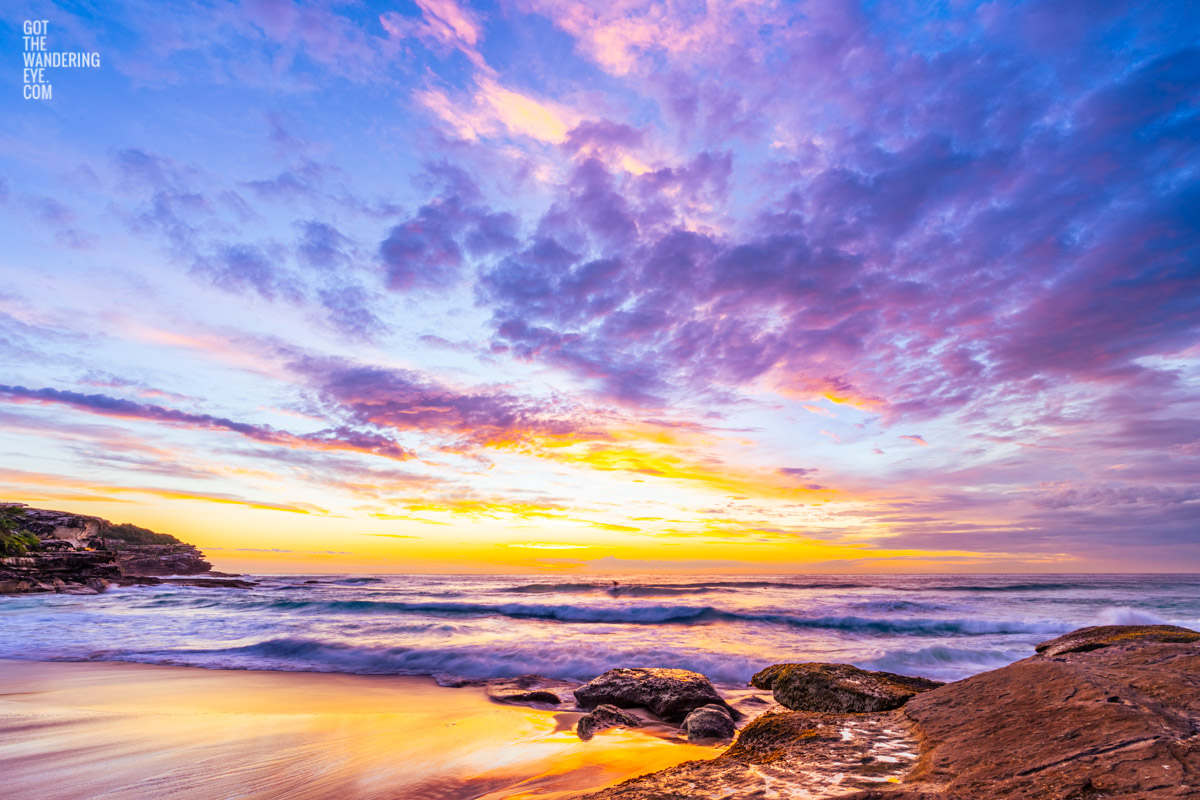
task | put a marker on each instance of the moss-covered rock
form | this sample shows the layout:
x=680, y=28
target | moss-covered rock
x=839, y=688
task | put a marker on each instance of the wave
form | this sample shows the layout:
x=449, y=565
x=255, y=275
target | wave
x=637, y=615
x=1129, y=616
x=580, y=661
x=553, y=588
x=896, y=606
x=914, y=626
x=615, y=589
x=944, y=663
x=672, y=615
x=1011, y=587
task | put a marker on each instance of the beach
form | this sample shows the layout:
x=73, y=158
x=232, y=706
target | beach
x=131, y=731
x=320, y=686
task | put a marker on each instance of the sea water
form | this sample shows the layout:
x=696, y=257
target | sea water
x=726, y=627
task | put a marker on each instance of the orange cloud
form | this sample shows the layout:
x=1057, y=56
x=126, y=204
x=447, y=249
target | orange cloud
x=26, y=480
x=711, y=474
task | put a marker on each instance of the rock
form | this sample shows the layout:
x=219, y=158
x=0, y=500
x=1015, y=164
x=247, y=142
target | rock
x=789, y=754
x=23, y=574
x=899, y=794
x=161, y=559
x=668, y=693
x=210, y=583
x=1116, y=721
x=709, y=722
x=765, y=678
x=527, y=696
x=1094, y=638
x=1113, y=722
x=526, y=690
x=839, y=688
x=605, y=716
x=78, y=550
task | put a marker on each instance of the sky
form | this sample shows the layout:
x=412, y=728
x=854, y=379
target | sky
x=610, y=286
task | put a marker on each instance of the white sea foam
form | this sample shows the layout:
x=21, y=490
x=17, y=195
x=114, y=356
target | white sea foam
x=941, y=627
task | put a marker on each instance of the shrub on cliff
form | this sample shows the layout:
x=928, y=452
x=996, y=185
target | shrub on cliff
x=14, y=541
x=17, y=543
x=125, y=533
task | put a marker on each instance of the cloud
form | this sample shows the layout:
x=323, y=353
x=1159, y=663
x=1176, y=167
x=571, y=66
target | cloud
x=493, y=110
x=429, y=249
x=43, y=485
x=331, y=439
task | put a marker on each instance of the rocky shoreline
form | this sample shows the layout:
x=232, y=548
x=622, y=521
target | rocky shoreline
x=1103, y=712
x=57, y=551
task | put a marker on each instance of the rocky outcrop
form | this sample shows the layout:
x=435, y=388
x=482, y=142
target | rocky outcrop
x=603, y=717
x=709, y=722
x=1099, y=713
x=1121, y=720
x=161, y=559
x=1101, y=636
x=80, y=554
x=668, y=693
x=77, y=572
x=76, y=531
x=838, y=688
x=200, y=583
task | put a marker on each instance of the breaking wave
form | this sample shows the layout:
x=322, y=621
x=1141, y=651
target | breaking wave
x=673, y=614
x=581, y=662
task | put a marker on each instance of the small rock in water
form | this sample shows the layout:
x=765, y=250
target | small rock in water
x=527, y=689
x=709, y=722
x=605, y=716
x=838, y=688
x=669, y=693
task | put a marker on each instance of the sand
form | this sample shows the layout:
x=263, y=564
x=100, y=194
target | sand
x=114, y=730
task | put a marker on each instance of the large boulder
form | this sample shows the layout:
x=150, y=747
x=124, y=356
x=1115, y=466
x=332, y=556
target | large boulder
x=839, y=688
x=1117, y=721
x=709, y=722
x=605, y=716
x=1100, y=636
x=669, y=693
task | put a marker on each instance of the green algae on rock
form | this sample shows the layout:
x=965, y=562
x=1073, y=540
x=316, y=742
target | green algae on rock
x=838, y=688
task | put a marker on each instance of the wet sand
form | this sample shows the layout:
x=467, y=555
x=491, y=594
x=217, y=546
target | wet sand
x=70, y=731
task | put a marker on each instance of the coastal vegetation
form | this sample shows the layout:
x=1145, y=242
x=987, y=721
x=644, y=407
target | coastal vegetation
x=14, y=539
x=119, y=536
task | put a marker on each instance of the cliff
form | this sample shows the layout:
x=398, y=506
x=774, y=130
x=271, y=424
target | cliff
x=55, y=551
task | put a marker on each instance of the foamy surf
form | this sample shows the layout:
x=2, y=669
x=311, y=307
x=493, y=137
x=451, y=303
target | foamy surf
x=941, y=627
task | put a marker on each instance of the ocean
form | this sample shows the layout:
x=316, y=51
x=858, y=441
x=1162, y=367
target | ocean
x=726, y=627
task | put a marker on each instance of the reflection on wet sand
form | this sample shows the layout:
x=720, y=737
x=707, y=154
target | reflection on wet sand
x=76, y=730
